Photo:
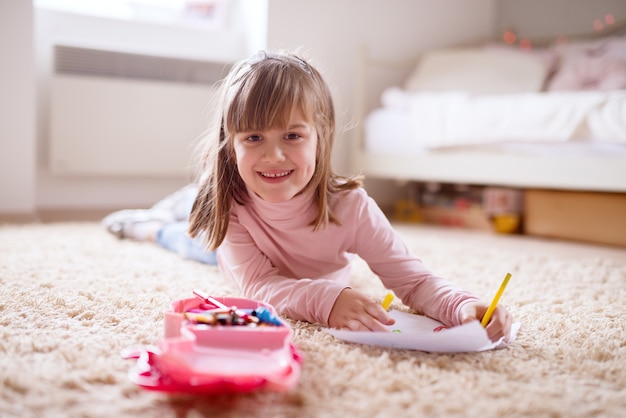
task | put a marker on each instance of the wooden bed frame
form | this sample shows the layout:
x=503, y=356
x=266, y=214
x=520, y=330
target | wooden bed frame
x=497, y=168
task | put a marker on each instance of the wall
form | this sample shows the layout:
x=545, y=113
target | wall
x=330, y=33
x=17, y=109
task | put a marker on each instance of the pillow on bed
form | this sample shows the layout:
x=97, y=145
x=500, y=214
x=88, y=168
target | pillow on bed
x=590, y=73
x=483, y=71
x=592, y=65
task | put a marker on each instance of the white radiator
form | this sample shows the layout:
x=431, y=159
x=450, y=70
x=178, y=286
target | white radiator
x=122, y=114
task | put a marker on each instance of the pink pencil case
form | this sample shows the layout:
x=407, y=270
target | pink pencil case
x=200, y=358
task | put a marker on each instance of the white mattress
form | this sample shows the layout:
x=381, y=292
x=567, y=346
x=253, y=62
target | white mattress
x=388, y=131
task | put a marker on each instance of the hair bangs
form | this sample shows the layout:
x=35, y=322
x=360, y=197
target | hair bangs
x=267, y=97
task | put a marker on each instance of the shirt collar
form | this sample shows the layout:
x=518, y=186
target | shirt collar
x=300, y=207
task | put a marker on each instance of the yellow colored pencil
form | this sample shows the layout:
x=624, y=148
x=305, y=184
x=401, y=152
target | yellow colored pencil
x=387, y=301
x=495, y=300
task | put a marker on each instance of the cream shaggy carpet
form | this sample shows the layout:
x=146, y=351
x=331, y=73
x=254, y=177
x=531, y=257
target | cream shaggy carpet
x=74, y=296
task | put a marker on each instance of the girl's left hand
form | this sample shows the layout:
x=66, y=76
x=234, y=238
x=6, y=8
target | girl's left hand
x=499, y=325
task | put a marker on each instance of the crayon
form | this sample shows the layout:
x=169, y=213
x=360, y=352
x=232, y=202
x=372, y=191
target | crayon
x=495, y=300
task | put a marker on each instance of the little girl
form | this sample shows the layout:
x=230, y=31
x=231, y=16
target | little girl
x=287, y=227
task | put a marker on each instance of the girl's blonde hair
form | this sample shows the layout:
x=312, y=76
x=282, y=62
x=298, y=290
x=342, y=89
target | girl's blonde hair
x=261, y=93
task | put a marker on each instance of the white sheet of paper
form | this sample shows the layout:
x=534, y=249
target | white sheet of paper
x=416, y=332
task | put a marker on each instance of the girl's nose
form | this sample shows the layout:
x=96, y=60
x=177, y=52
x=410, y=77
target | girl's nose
x=273, y=152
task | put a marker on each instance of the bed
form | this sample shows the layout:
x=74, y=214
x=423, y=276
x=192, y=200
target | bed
x=494, y=114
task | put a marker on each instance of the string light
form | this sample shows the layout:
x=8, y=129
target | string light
x=598, y=25
x=510, y=37
x=525, y=44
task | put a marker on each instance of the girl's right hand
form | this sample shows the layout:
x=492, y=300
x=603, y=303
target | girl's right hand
x=356, y=312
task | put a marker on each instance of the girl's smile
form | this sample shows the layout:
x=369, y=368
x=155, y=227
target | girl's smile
x=270, y=176
x=277, y=163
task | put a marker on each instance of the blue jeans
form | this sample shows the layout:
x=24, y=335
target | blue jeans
x=173, y=236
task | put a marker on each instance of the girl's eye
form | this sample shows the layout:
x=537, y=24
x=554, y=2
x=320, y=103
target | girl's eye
x=254, y=138
x=292, y=136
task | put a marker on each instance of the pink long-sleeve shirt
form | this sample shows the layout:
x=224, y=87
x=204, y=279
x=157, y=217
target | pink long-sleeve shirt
x=273, y=254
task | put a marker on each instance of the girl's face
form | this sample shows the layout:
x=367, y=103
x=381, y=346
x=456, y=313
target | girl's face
x=277, y=163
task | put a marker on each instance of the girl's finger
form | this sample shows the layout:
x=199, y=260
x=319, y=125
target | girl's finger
x=379, y=314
